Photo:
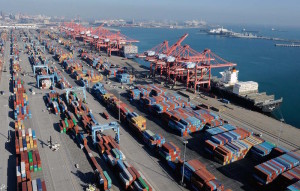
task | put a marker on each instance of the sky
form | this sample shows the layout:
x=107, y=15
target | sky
x=260, y=12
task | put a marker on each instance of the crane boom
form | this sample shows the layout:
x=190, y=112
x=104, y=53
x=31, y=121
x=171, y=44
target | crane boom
x=174, y=46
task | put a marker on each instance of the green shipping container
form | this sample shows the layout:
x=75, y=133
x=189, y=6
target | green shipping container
x=66, y=122
x=35, y=169
x=75, y=123
x=30, y=156
x=143, y=183
x=108, y=179
x=116, y=153
x=39, y=168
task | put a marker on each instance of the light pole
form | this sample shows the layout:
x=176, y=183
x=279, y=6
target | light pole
x=280, y=131
x=119, y=109
x=184, y=142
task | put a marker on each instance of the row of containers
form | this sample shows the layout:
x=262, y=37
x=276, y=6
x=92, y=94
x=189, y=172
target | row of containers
x=98, y=63
x=113, y=153
x=3, y=39
x=284, y=168
x=40, y=64
x=195, y=173
x=40, y=60
x=74, y=67
x=169, y=151
x=226, y=143
x=84, y=77
x=176, y=113
x=28, y=161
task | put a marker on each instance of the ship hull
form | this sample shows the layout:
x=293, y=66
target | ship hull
x=243, y=101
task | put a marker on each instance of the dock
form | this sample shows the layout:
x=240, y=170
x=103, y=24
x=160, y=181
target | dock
x=288, y=45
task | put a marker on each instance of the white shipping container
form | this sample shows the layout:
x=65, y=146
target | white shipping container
x=34, y=186
x=244, y=87
x=30, y=132
x=23, y=168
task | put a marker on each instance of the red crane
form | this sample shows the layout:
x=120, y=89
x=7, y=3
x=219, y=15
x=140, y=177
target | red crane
x=158, y=55
x=184, y=64
x=98, y=37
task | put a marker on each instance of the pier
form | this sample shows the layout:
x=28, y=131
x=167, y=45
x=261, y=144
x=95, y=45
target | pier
x=288, y=45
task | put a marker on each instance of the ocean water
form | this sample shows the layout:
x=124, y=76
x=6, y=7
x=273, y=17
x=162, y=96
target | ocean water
x=276, y=69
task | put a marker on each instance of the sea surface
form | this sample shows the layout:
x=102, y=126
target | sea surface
x=276, y=69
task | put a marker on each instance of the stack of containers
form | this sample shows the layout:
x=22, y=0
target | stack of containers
x=72, y=65
x=79, y=108
x=111, y=72
x=25, y=140
x=98, y=90
x=289, y=177
x=266, y=172
x=294, y=187
x=94, y=78
x=68, y=123
x=36, y=184
x=109, y=149
x=170, y=152
x=103, y=177
x=278, y=151
x=187, y=120
x=21, y=108
x=61, y=81
x=112, y=154
x=153, y=140
x=227, y=137
x=117, y=106
x=260, y=151
x=199, y=177
x=136, y=122
x=226, y=152
x=134, y=94
x=29, y=161
x=218, y=130
x=131, y=178
x=124, y=78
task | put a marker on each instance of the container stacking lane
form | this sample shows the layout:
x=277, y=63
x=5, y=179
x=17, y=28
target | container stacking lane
x=8, y=160
x=57, y=166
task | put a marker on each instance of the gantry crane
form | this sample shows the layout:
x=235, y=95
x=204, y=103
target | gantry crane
x=99, y=37
x=185, y=64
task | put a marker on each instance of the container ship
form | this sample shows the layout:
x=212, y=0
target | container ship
x=129, y=51
x=245, y=94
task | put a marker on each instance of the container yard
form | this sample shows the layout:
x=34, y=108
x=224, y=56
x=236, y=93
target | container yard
x=82, y=119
